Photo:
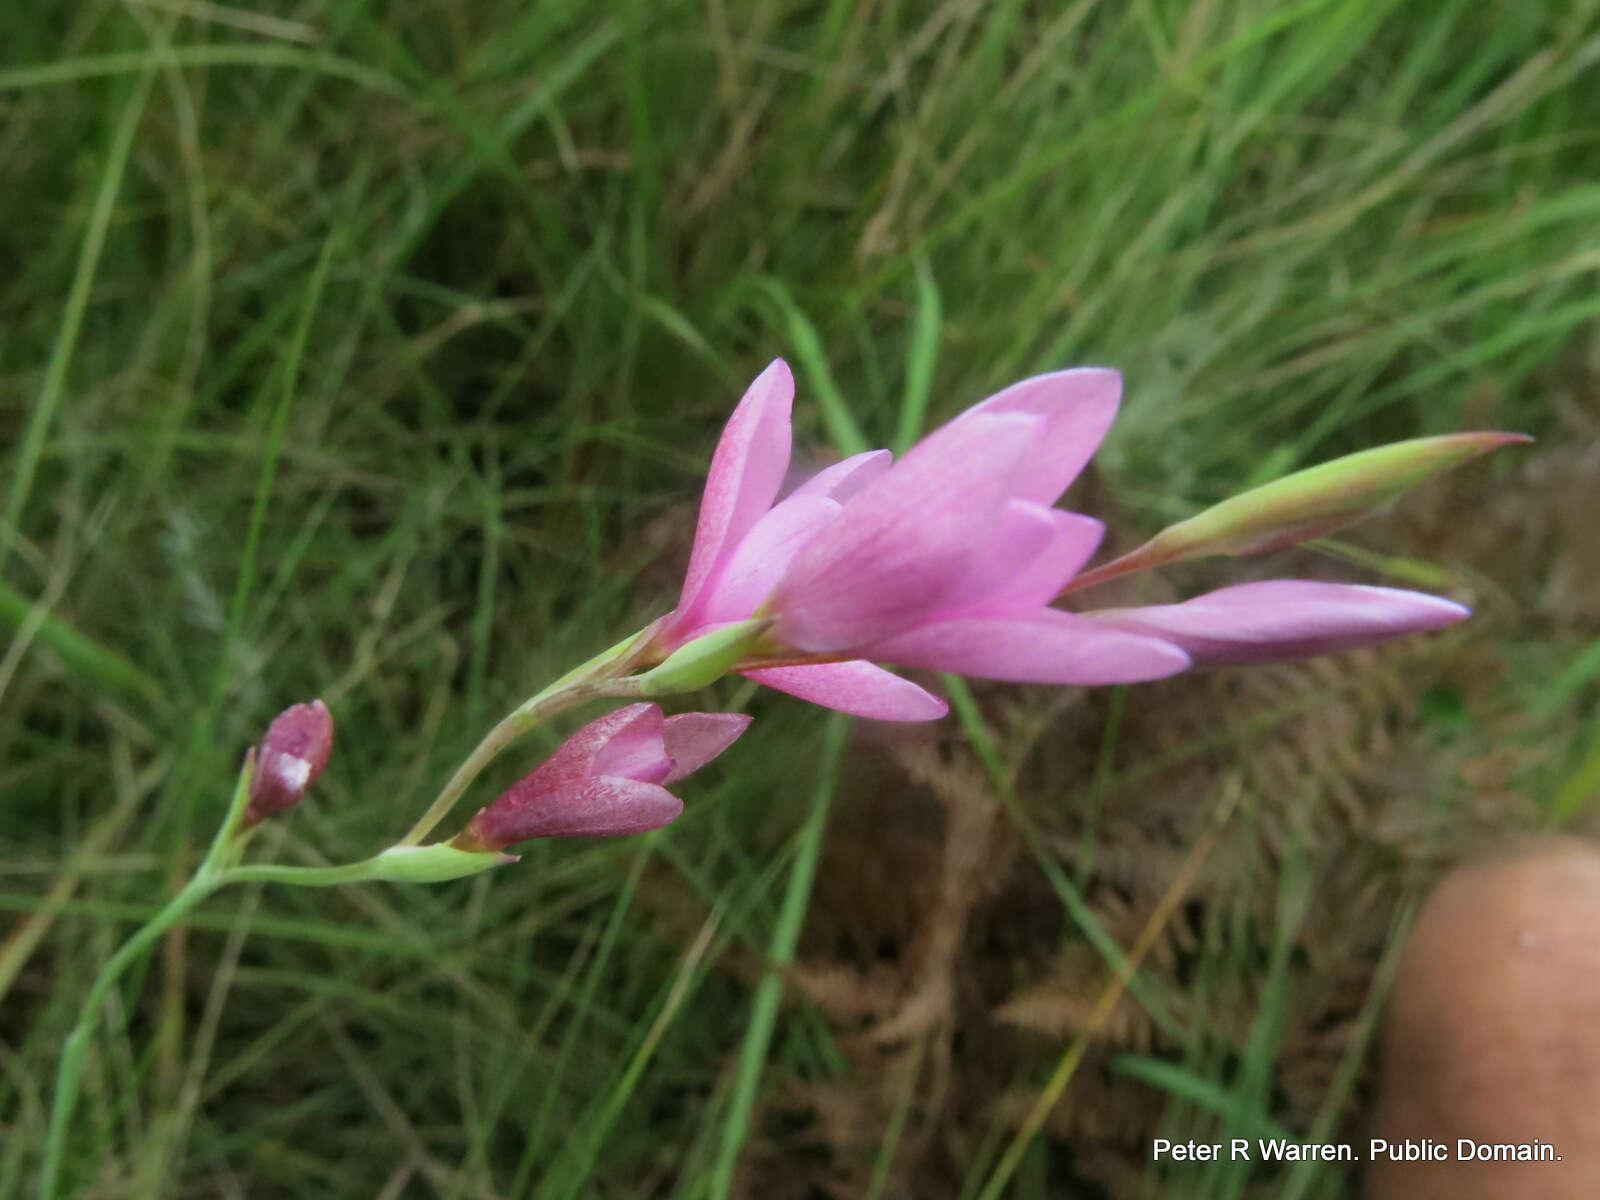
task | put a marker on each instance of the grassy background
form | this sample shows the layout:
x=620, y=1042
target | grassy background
x=375, y=351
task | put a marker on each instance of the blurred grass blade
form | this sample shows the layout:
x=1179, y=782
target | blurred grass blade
x=842, y=429
x=1197, y=1090
x=1577, y=793
x=785, y=937
x=921, y=358
x=222, y=54
x=82, y=655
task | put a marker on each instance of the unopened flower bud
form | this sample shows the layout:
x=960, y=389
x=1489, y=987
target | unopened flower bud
x=290, y=758
x=605, y=780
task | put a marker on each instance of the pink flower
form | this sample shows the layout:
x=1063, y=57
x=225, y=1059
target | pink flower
x=743, y=544
x=296, y=749
x=606, y=779
x=950, y=559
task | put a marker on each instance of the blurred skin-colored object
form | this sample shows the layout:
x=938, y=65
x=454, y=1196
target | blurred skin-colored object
x=1493, y=1031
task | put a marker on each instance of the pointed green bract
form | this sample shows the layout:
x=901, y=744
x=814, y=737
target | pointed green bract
x=703, y=661
x=434, y=864
x=1306, y=504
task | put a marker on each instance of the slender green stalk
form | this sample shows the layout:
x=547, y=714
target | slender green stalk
x=218, y=869
x=583, y=683
x=69, y=1072
x=356, y=872
x=75, y=1050
x=513, y=726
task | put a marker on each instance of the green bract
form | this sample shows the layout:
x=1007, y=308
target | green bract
x=434, y=864
x=1306, y=504
x=701, y=662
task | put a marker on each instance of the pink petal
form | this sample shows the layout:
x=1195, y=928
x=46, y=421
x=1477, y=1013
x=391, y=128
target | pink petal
x=1047, y=646
x=904, y=540
x=1076, y=539
x=747, y=577
x=597, y=807
x=694, y=739
x=574, y=758
x=1078, y=407
x=1023, y=531
x=1285, y=618
x=635, y=751
x=855, y=687
x=746, y=472
x=844, y=479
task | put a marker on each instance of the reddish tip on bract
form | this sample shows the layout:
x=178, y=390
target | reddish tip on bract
x=291, y=756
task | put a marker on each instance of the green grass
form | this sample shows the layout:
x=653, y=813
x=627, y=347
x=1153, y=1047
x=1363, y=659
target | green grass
x=375, y=352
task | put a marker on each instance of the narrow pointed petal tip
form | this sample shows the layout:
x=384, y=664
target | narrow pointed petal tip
x=859, y=688
x=694, y=739
x=844, y=479
x=746, y=472
x=1076, y=539
x=1283, y=619
x=1078, y=406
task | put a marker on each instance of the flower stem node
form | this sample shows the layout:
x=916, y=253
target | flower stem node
x=435, y=864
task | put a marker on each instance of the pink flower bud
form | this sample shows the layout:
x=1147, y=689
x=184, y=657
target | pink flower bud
x=607, y=779
x=290, y=758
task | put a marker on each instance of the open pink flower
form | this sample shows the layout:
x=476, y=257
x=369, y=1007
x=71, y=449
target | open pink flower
x=950, y=560
x=609, y=778
x=743, y=544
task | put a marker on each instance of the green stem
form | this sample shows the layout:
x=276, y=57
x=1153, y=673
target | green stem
x=228, y=844
x=513, y=726
x=580, y=684
x=218, y=869
x=74, y=1051
x=356, y=872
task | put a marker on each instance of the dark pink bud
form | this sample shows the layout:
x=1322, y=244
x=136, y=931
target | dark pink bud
x=606, y=779
x=290, y=758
